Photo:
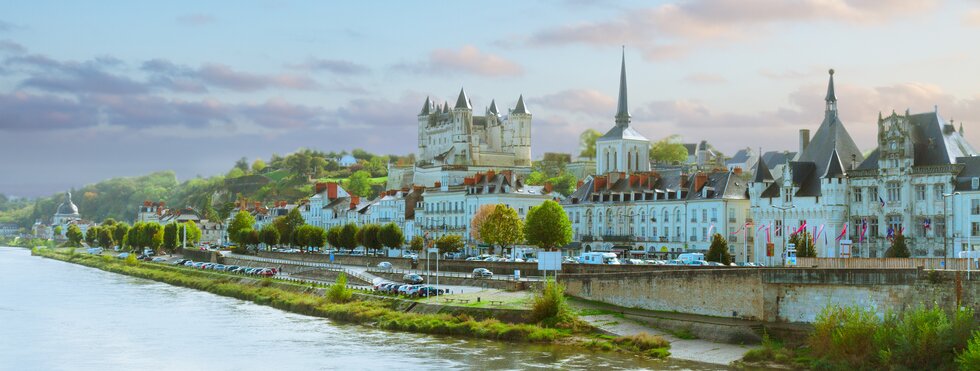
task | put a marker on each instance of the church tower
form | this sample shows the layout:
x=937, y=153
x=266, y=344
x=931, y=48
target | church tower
x=622, y=148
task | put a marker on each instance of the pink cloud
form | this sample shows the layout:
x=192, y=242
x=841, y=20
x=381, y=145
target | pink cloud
x=705, y=78
x=467, y=59
x=586, y=101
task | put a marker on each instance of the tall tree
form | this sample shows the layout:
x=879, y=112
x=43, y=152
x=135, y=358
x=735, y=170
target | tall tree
x=450, y=243
x=668, y=150
x=898, y=248
x=391, y=236
x=170, y=237
x=192, y=235
x=290, y=223
x=478, y=219
x=718, y=252
x=92, y=236
x=242, y=164
x=333, y=236
x=359, y=183
x=105, y=237
x=548, y=226
x=241, y=221
x=418, y=243
x=369, y=237
x=119, y=233
x=586, y=142
x=133, y=236
x=74, y=236
x=269, y=235
x=502, y=227
x=804, y=244
x=316, y=236
x=348, y=239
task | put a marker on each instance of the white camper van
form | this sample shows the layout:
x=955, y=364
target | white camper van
x=691, y=258
x=598, y=258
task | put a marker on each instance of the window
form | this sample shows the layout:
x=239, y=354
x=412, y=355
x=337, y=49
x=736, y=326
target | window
x=778, y=227
x=895, y=223
x=654, y=231
x=731, y=215
x=872, y=228
x=714, y=215
x=694, y=215
x=937, y=192
x=974, y=229
x=855, y=229
x=939, y=227
x=677, y=234
x=920, y=192
x=975, y=207
x=704, y=215
x=704, y=234
x=666, y=216
x=694, y=233
x=874, y=194
x=894, y=191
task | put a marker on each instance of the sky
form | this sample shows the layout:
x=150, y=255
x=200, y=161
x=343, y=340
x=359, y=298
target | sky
x=99, y=89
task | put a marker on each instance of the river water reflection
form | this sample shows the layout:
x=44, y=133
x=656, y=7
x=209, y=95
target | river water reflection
x=61, y=316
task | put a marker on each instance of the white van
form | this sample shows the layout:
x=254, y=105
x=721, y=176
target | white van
x=691, y=258
x=598, y=258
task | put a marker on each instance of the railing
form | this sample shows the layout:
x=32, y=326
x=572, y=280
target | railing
x=618, y=238
x=464, y=275
x=890, y=263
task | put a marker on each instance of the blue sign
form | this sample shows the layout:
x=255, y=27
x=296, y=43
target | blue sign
x=331, y=257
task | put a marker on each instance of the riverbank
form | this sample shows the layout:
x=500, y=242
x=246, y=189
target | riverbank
x=303, y=299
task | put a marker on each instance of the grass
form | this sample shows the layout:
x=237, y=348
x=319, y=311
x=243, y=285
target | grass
x=684, y=333
x=773, y=351
x=650, y=345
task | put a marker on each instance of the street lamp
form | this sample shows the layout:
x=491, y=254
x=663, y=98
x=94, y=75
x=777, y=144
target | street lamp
x=782, y=232
x=946, y=229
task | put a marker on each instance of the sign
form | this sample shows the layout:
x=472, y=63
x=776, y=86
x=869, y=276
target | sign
x=331, y=256
x=549, y=260
x=845, y=248
x=517, y=274
x=770, y=249
x=433, y=250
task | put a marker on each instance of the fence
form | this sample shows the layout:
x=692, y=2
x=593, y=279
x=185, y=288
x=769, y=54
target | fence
x=464, y=275
x=889, y=263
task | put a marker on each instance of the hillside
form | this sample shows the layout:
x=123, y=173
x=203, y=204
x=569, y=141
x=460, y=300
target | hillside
x=288, y=178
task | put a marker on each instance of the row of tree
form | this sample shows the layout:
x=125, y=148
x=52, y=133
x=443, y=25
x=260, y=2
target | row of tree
x=151, y=235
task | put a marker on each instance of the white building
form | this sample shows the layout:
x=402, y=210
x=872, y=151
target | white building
x=631, y=210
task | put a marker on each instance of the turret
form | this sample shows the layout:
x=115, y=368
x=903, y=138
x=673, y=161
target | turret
x=519, y=121
x=831, y=98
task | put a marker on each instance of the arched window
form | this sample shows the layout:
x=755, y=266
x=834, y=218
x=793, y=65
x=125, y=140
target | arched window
x=629, y=161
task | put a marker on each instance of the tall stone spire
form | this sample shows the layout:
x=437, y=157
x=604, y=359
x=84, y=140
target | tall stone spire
x=831, y=98
x=427, y=107
x=462, y=101
x=622, y=111
x=520, y=106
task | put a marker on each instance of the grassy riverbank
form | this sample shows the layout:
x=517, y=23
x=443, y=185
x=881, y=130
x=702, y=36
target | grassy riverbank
x=382, y=314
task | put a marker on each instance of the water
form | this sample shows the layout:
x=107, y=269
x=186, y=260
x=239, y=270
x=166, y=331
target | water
x=62, y=316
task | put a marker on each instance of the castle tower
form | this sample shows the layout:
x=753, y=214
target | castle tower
x=427, y=109
x=520, y=125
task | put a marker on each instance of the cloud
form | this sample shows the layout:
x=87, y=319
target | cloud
x=50, y=75
x=5, y=26
x=467, y=59
x=673, y=30
x=705, y=78
x=586, y=101
x=337, y=66
x=165, y=73
x=26, y=112
x=195, y=19
x=792, y=74
x=972, y=18
x=8, y=46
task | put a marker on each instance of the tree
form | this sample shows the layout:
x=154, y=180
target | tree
x=151, y=235
x=290, y=223
x=192, y=235
x=74, y=236
x=359, y=183
x=450, y=243
x=347, y=236
x=369, y=237
x=242, y=164
x=668, y=150
x=92, y=236
x=804, y=244
x=417, y=244
x=502, y=227
x=315, y=236
x=586, y=142
x=132, y=236
x=478, y=219
x=248, y=237
x=235, y=173
x=258, y=165
x=548, y=226
x=898, y=249
x=170, y=237
x=105, y=237
x=391, y=236
x=333, y=236
x=269, y=235
x=242, y=220
x=718, y=252
x=119, y=232
x=57, y=231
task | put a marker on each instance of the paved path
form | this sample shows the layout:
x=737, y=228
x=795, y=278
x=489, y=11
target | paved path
x=691, y=350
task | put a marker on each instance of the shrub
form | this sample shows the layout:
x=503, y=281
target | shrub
x=641, y=342
x=550, y=306
x=842, y=337
x=131, y=260
x=71, y=254
x=969, y=359
x=339, y=292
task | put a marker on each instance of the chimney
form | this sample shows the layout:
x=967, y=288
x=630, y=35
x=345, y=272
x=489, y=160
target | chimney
x=490, y=174
x=258, y=204
x=854, y=161
x=737, y=170
x=320, y=187
x=354, y=200
x=699, y=180
x=684, y=180
x=804, y=139
x=331, y=190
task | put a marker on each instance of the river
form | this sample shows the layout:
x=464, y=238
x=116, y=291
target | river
x=61, y=316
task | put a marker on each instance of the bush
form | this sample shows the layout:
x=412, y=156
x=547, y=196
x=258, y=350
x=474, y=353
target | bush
x=339, y=292
x=970, y=358
x=131, y=260
x=550, y=306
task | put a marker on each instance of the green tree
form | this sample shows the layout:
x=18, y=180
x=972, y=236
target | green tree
x=718, y=252
x=898, y=248
x=369, y=237
x=333, y=236
x=192, y=235
x=257, y=166
x=535, y=178
x=359, y=183
x=348, y=239
x=235, y=173
x=668, y=151
x=450, y=243
x=316, y=236
x=151, y=235
x=804, y=244
x=548, y=226
x=132, y=236
x=242, y=164
x=170, y=237
x=391, y=236
x=417, y=244
x=502, y=228
x=586, y=142
x=290, y=223
x=248, y=237
x=119, y=233
x=269, y=235
x=105, y=237
x=92, y=236
x=57, y=231
x=242, y=220
x=74, y=236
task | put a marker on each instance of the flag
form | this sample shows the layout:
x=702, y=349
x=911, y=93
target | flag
x=864, y=228
x=882, y=201
x=927, y=224
x=710, y=230
x=816, y=235
x=843, y=232
x=801, y=228
x=891, y=233
x=768, y=238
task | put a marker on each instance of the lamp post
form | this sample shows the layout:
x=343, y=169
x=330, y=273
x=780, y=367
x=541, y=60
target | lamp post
x=782, y=227
x=946, y=228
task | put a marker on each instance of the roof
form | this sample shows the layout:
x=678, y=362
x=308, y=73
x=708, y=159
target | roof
x=622, y=132
x=831, y=97
x=520, y=106
x=493, y=107
x=742, y=156
x=934, y=142
x=622, y=108
x=462, y=101
x=971, y=169
x=762, y=173
x=830, y=136
x=835, y=169
x=776, y=158
x=806, y=177
x=654, y=186
x=67, y=207
x=427, y=107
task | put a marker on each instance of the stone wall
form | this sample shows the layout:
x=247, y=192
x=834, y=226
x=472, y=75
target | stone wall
x=777, y=295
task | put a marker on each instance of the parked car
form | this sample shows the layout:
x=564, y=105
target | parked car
x=94, y=250
x=482, y=273
x=123, y=255
x=403, y=289
x=412, y=290
x=180, y=261
x=159, y=259
x=218, y=267
x=427, y=291
x=412, y=278
x=385, y=266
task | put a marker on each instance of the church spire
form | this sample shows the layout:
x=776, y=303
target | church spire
x=622, y=111
x=831, y=98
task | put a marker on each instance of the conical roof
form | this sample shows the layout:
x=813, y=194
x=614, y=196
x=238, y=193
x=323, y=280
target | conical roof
x=493, y=108
x=426, y=107
x=67, y=207
x=835, y=169
x=622, y=108
x=831, y=96
x=462, y=101
x=762, y=173
x=520, y=106
x=830, y=136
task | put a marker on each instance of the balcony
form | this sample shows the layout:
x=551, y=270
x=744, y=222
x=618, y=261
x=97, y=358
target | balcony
x=588, y=238
x=618, y=238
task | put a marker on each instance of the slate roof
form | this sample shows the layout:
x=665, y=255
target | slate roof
x=776, y=158
x=971, y=169
x=835, y=169
x=830, y=137
x=620, y=132
x=762, y=173
x=520, y=106
x=718, y=185
x=934, y=142
x=741, y=156
x=462, y=101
